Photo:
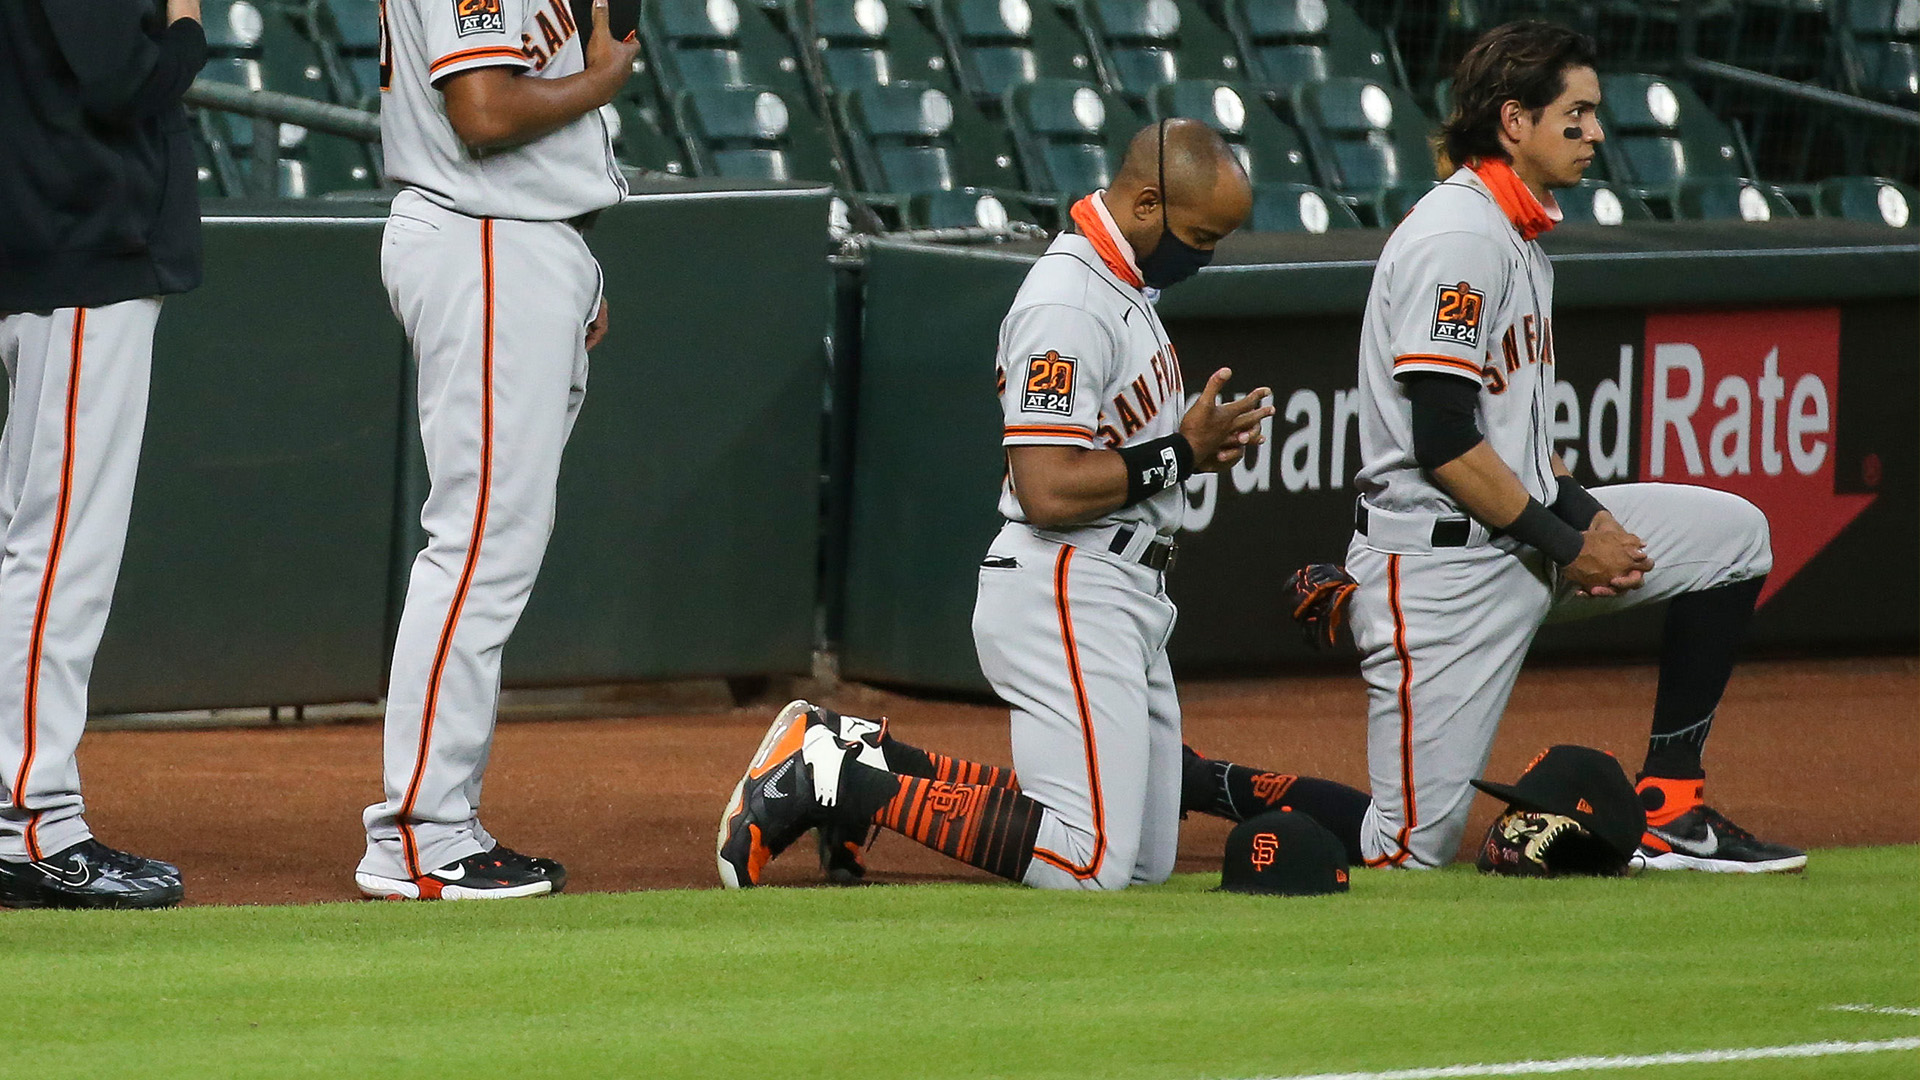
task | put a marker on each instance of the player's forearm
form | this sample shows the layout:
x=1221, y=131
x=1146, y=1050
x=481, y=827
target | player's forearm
x=1484, y=485
x=494, y=108
x=1062, y=485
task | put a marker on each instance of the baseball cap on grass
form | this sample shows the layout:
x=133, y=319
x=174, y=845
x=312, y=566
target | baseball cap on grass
x=1281, y=853
x=1584, y=784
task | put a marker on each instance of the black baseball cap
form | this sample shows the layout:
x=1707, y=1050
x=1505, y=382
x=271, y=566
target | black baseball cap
x=1584, y=784
x=1282, y=853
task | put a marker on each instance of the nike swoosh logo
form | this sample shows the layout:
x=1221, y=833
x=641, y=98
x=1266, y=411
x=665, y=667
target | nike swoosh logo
x=75, y=879
x=450, y=873
x=1709, y=846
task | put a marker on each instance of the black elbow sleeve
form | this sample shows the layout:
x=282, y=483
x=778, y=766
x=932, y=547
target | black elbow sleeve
x=1443, y=411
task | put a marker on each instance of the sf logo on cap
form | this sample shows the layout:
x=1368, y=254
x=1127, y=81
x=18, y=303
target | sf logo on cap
x=1265, y=847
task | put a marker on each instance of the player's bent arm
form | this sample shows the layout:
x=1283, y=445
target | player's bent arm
x=1065, y=485
x=492, y=108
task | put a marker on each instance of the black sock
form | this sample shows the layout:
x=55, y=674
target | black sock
x=913, y=761
x=1697, y=649
x=1236, y=792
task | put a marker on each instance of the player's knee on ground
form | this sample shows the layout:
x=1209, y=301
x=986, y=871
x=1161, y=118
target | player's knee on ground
x=1068, y=858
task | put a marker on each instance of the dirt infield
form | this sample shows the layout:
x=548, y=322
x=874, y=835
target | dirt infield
x=1817, y=753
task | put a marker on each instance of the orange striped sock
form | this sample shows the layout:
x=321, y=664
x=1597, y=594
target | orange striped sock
x=912, y=761
x=991, y=827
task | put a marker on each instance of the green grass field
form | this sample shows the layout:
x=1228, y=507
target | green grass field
x=1406, y=971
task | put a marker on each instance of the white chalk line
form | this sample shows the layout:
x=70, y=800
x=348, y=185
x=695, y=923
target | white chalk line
x=1621, y=1061
x=1881, y=1010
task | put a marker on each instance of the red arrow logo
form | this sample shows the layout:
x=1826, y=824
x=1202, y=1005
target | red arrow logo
x=1745, y=401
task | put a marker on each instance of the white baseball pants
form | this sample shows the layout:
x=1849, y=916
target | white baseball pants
x=78, y=379
x=1075, y=641
x=1443, y=631
x=496, y=313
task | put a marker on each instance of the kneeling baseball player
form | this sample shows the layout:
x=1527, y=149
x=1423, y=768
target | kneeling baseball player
x=1470, y=533
x=1072, y=618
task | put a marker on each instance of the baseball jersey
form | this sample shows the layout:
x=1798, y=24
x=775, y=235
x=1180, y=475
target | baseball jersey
x=560, y=175
x=1456, y=291
x=1083, y=361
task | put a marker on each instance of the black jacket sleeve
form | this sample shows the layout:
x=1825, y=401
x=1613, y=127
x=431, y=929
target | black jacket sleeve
x=125, y=69
x=1443, y=411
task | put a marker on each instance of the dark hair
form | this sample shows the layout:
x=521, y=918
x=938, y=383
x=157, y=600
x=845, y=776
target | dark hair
x=1524, y=61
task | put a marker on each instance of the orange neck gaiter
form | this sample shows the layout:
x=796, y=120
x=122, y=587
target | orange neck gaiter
x=1088, y=218
x=1521, y=207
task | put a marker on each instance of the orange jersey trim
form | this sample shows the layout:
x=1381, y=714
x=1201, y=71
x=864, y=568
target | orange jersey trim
x=1081, y=705
x=431, y=704
x=36, y=643
x=1435, y=358
x=489, y=52
x=1050, y=431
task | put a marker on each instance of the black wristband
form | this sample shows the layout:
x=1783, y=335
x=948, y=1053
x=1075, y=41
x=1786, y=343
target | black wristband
x=1575, y=505
x=1153, y=467
x=1537, y=527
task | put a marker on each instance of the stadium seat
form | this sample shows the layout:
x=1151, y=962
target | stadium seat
x=1877, y=45
x=1661, y=135
x=314, y=164
x=1368, y=138
x=963, y=208
x=1726, y=198
x=233, y=28
x=1288, y=43
x=1069, y=135
x=353, y=29
x=1594, y=202
x=902, y=140
x=868, y=42
x=701, y=44
x=1143, y=44
x=1270, y=151
x=910, y=152
x=1868, y=198
x=751, y=133
x=1298, y=208
x=998, y=44
x=640, y=137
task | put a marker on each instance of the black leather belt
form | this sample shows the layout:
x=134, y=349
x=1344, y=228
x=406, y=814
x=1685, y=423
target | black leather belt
x=1447, y=532
x=1157, y=556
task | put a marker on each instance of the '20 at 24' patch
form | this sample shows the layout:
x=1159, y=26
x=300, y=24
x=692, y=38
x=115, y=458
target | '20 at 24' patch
x=1049, y=384
x=479, y=17
x=1456, y=315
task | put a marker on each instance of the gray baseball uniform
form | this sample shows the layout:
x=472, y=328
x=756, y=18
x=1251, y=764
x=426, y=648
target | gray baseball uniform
x=1071, y=625
x=495, y=288
x=76, y=413
x=1445, y=611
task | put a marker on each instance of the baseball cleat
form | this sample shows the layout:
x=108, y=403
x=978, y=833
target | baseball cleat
x=1703, y=839
x=843, y=852
x=480, y=876
x=794, y=773
x=546, y=868
x=90, y=875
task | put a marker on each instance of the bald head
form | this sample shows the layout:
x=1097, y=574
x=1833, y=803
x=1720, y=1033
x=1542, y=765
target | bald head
x=1206, y=197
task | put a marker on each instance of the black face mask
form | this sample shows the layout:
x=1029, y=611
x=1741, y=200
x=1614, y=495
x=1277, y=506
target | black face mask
x=1172, y=259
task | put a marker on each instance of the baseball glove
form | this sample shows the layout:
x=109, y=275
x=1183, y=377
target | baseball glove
x=1321, y=593
x=1525, y=843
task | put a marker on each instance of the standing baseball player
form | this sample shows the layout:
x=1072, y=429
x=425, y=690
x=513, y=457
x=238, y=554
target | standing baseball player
x=1072, y=619
x=99, y=219
x=490, y=121
x=1470, y=534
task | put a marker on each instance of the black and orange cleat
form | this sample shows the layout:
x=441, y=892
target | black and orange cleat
x=532, y=864
x=1684, y=833
x=480, y=876
x=795, y=771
